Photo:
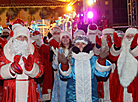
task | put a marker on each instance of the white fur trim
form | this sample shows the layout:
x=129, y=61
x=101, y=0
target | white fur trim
x=131, y=31
x=15, y=25
x=96, y=50
x=21, y=91
x=83, y=55
x=102, y=68
x=50, y=39
x=5, y=30
x=83, y=80
x=134, y=52
x=34, y=72
x=108, y=30
x=106, y=91
x=89, y=32
x=65, y=33
x=20, y=30
x=65, y=73
x=114, y=52
x=81, y=41
x=5, y=72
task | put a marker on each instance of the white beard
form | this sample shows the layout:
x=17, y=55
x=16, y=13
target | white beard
x=127, y=64
x=19, y=48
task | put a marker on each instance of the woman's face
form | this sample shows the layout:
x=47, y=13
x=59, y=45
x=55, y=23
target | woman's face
x=65, y=39
x=80, y=45
x=22, y=38
x=129, y=36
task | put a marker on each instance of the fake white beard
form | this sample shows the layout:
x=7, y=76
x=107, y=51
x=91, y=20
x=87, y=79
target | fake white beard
x=38, y=39
x=127, y=64
x=19, y=48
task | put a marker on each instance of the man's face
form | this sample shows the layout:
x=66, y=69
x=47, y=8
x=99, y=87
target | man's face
x=129, y=36
x=5, y=33
x=80, y=45
x=56, y=36
x=22, y=38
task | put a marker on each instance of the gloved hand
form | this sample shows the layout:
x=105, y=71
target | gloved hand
x=3, y=42
x=109, y=41
x=134, y=42
x=104, y=53
x=28, y=62
x=98, y=42
x=15, y=67
x=117, y=40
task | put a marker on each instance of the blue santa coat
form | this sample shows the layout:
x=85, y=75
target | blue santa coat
x=71, y=84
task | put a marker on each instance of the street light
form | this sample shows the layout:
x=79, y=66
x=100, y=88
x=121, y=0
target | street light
x=69, y=8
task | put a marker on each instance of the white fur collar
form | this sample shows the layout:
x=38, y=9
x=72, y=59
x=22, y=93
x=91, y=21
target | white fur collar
x=82, y=55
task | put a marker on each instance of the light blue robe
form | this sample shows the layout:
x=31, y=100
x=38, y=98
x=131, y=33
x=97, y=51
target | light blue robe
x=71, y=85
x=59, y=87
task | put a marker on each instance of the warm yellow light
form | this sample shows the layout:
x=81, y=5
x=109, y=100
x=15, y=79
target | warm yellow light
x=90, y=2
x=69, y=8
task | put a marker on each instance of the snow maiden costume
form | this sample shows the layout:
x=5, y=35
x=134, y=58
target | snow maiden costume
x=82, y=72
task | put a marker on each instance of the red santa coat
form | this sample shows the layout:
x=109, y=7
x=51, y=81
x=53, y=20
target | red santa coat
x=105, y=84
x=119, y=92
x=20, y=88
x=48, y=72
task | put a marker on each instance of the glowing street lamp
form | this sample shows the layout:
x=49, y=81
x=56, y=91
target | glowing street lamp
x=69, y=8
x=90, y=2
x=90, y=14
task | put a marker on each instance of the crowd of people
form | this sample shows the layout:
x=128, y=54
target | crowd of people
x=97, y=66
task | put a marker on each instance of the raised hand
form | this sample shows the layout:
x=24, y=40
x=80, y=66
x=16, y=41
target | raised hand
x=62, y=58
x=15, y=67
x=104, y=53
x=3, y=42
x=117, y=40
x=98, y=42
x=134, y=42
x=109, y=41
x=28, y=63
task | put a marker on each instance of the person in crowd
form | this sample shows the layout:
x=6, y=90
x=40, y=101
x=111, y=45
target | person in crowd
x=4, y=37
x=124, y=83
x=1, y=28
x=59, y=88
x=47, y=56
x=104, y=83
x=33, y=27
x=80, y=70
x=20, y=64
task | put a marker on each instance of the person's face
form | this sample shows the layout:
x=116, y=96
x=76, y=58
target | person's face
x=65, y=39
x=22, y=38
x=129, y=36
x=80, y=45
x=5, y=33
x=56, y=36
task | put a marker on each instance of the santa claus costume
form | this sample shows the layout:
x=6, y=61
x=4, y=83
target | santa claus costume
x=124, y=83
x=104, y=83
x=45, y=52
x=20, y=64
